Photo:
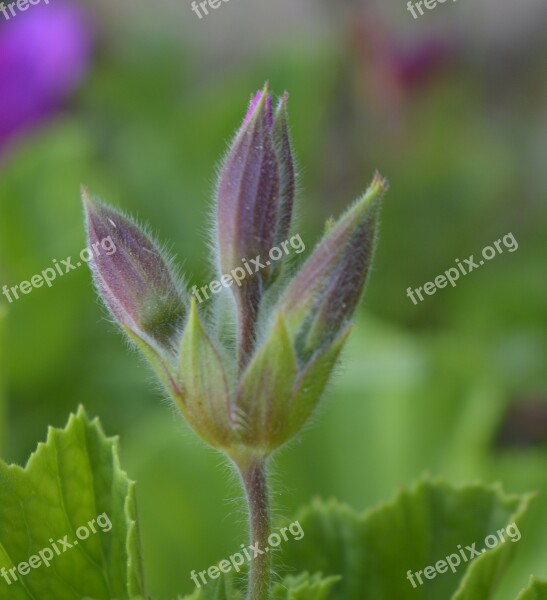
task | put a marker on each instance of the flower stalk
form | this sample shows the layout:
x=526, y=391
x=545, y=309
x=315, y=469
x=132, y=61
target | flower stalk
x=249, y=379
x=255, y=484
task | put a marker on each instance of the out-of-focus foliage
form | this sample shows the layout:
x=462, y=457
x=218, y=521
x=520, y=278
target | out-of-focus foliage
x=3, y=313
x=301, y=587
x=536, y=591
x=431, y=522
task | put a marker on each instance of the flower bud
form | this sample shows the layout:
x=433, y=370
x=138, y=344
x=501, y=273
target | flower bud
x=323, y=295
x=255, y=199
x=287, y=179
x=135, y=281
x=250, y=404
x=248, y=189
x=285, y=378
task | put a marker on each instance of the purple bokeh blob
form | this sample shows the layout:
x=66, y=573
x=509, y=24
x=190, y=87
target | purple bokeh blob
x=44, y=54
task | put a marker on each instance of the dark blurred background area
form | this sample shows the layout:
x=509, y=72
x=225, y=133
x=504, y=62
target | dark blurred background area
x=137, y=100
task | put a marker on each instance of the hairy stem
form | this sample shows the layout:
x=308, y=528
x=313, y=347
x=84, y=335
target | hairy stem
x=248, y=303
x=255, y=483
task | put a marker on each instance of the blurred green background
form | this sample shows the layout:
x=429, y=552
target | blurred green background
x=452, y=108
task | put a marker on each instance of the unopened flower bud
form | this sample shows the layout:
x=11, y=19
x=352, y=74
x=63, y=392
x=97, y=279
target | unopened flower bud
x=136, y=281
x=248, y=189
x=276, y=394
x=285, y=379
x=287, y=178
x=251, y=402
x=323, y=295
x=255, y=197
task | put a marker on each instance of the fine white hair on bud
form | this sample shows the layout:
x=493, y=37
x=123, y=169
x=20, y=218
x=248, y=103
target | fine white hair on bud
x=248, y=380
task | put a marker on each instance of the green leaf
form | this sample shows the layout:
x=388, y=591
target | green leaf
x=301, y=587
x=374, y=551
x=225, y=588
x=73, y=481
x=537, y=590
x=305, y=587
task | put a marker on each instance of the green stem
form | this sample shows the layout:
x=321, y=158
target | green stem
x=248, y=304
x=255, y=484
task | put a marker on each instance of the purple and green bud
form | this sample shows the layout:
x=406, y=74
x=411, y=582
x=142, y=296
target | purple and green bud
x=248, y=189
x=287, y=175
x=255, y=197
x=250, y=401
x=322, y=297
x=136, y=282
x=286, y=377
